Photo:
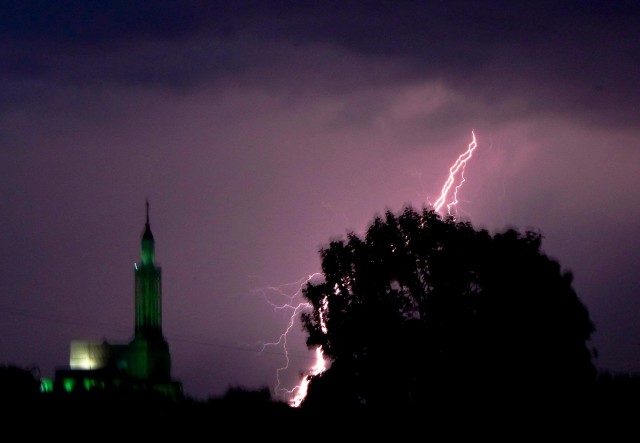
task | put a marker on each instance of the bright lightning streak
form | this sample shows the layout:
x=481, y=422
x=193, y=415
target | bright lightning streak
x=303, y=388
x=448, y=197
x=295, y=309
x=318, y=368
x=457, y=170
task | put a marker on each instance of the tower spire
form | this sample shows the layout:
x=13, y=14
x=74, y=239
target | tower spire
x=148, y=253
x=147, y=284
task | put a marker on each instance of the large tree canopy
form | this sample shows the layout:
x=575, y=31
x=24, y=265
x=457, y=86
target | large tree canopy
x=423, y=307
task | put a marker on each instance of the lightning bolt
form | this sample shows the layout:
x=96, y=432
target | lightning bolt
x=455, y=171
x=319, y=366
x=302, y=389
x=296, y=395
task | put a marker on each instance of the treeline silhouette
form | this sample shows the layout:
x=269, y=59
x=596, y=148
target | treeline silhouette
x=426, y=321
x=611, y=406
x=125, y=413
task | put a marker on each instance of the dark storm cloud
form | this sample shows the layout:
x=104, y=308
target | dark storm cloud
x=566, y=57
x=93, y=22
x=574, y=57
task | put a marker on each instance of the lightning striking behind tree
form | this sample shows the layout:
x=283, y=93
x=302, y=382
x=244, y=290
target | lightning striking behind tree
x=296, y=395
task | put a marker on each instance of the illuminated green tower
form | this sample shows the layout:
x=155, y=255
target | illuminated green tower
x=148, y=289
x=149, y=357
x=142, y=365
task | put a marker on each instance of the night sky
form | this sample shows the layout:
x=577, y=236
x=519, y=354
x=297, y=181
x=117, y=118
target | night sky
x=261, y=130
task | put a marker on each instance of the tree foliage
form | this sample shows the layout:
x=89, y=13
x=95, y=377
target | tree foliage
x=423, y=307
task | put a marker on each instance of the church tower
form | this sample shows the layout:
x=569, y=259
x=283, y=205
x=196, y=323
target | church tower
x=149, y=357
x=148, y=288
x=143, y=364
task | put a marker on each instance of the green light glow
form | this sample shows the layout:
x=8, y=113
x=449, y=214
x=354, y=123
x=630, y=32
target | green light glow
x=69, y=384
x=88, y=384
x=46, y=385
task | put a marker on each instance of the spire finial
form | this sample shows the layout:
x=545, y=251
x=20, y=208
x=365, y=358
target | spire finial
x=147, y=203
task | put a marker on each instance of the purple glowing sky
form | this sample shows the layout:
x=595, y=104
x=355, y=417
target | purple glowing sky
x=261, y=130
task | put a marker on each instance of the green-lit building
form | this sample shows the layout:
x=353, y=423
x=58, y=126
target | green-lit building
x=143, y=364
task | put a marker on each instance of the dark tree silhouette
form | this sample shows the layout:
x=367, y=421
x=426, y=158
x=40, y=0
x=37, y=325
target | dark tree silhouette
x=18, y=383
x=424, y=309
